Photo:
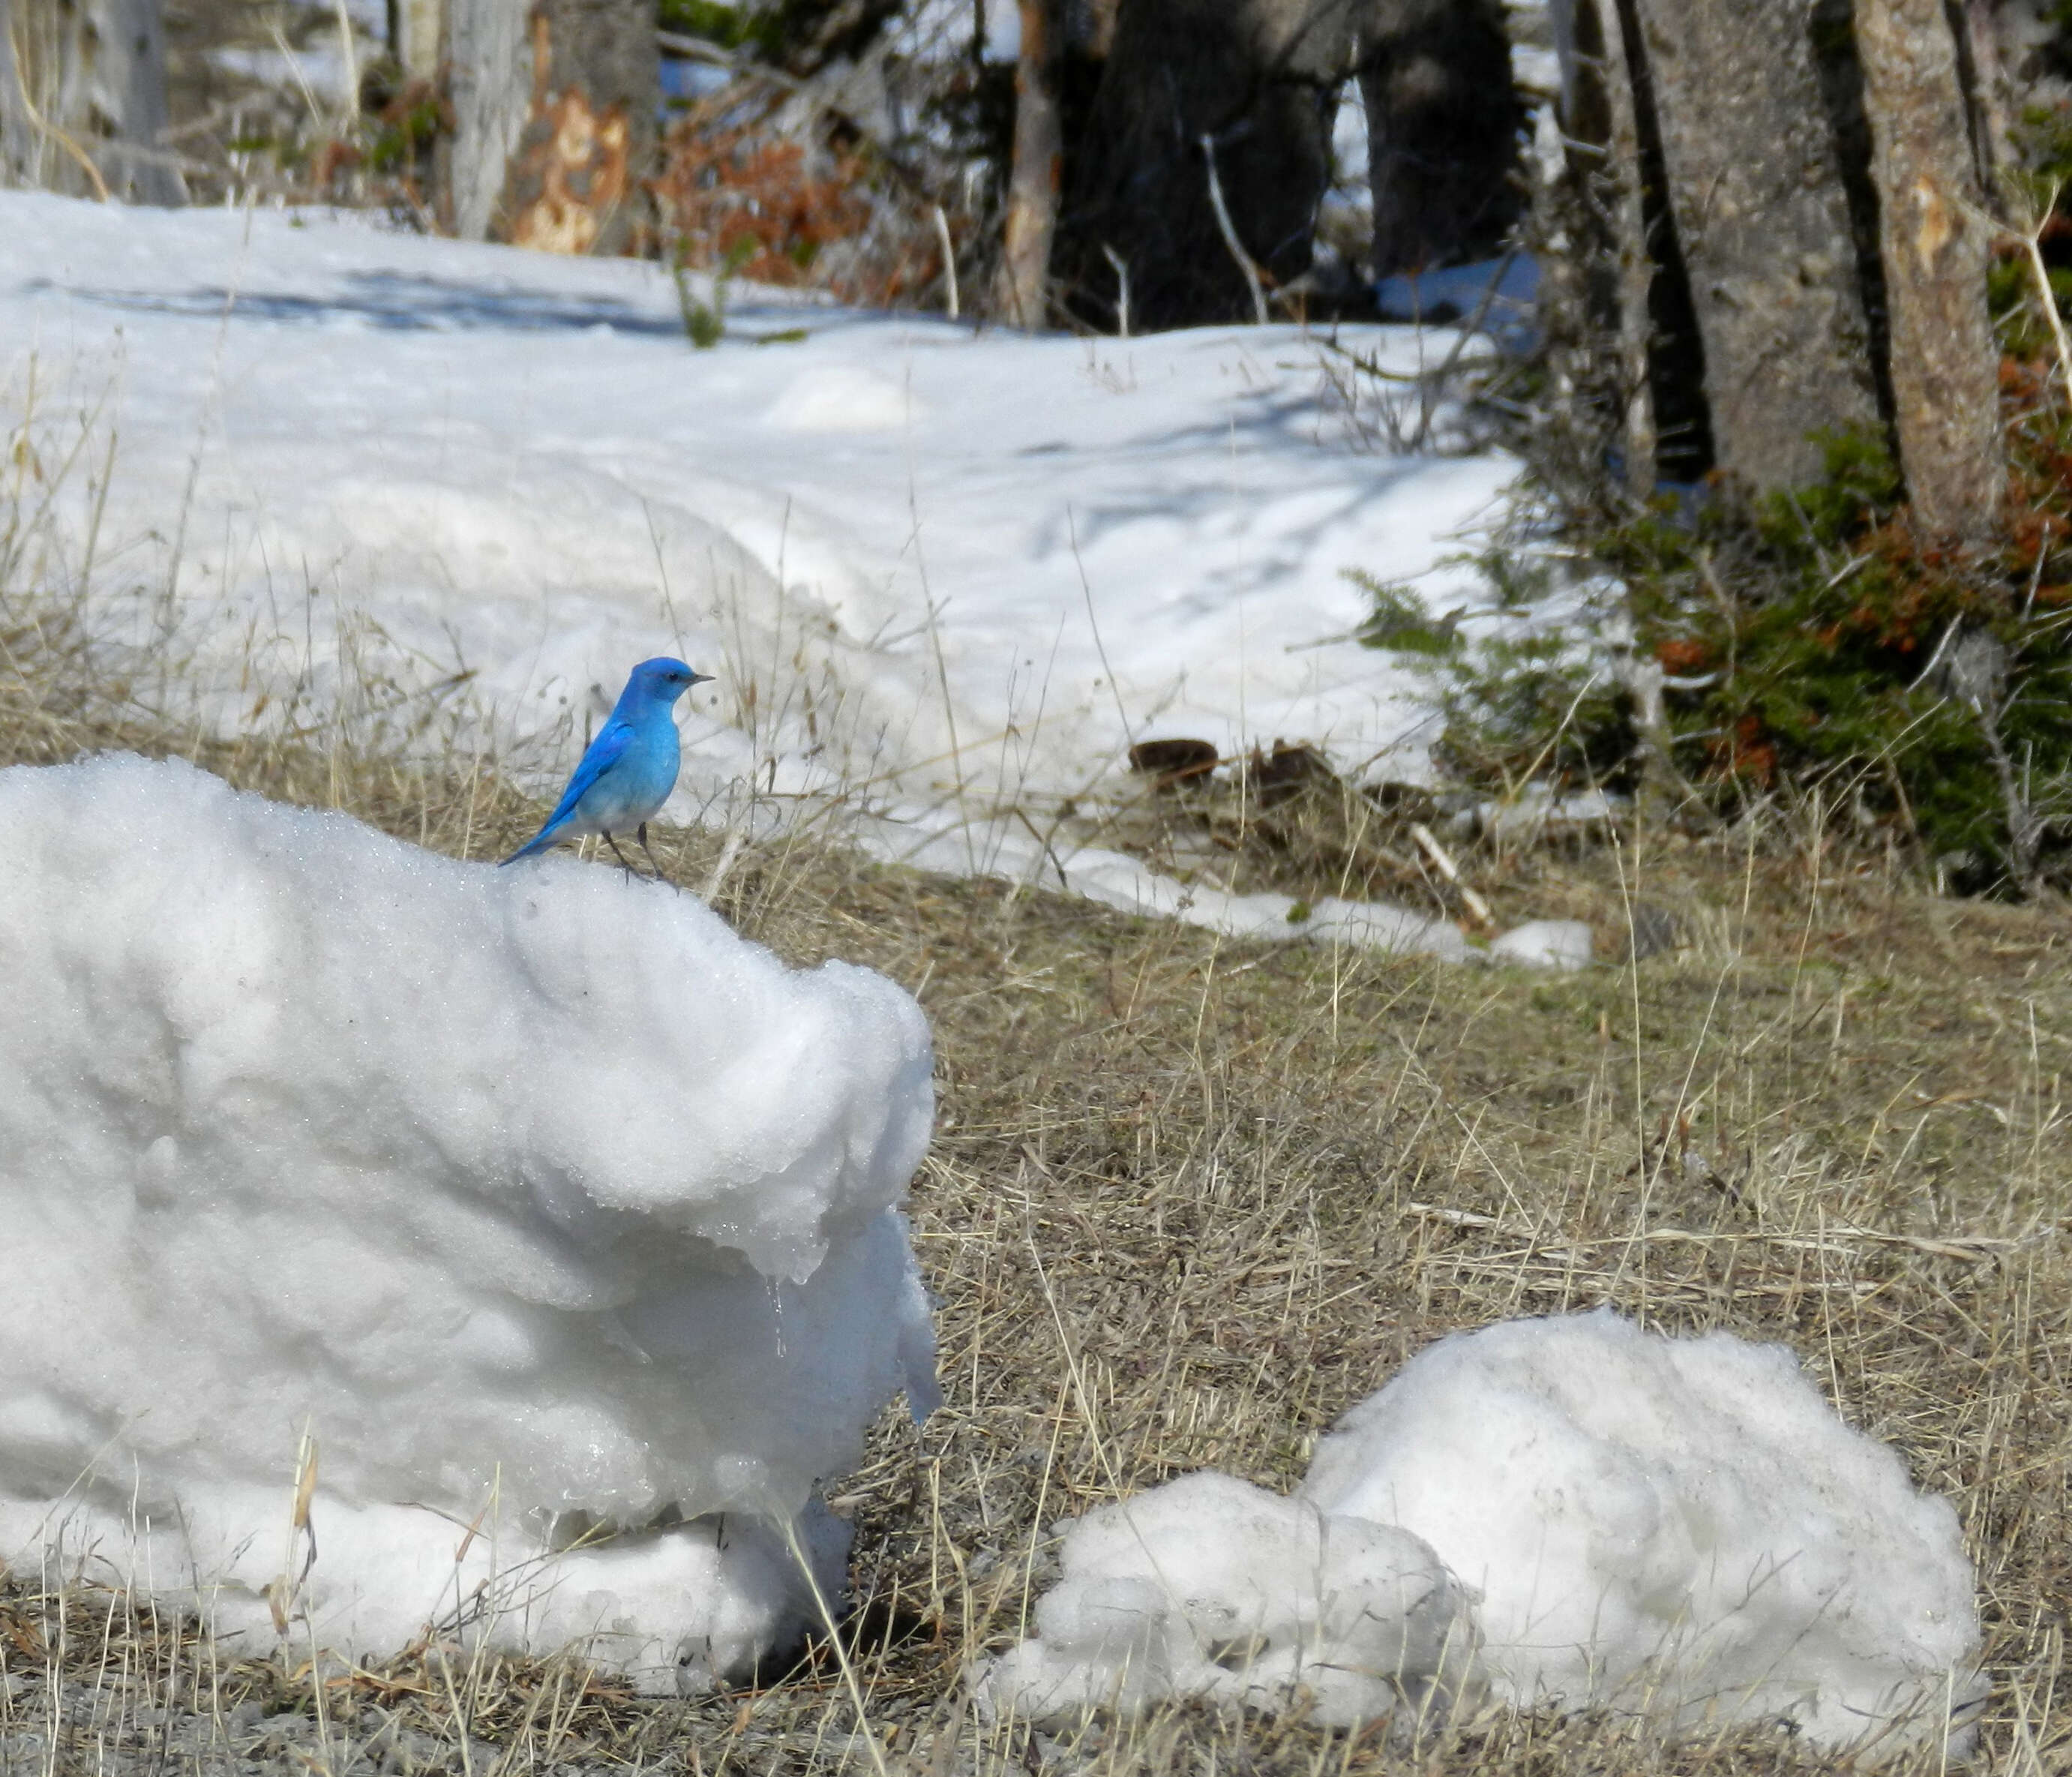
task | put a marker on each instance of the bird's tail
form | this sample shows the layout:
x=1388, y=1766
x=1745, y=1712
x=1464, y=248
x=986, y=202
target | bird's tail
x=538, y=842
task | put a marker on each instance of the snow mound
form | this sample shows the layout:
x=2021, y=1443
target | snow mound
x=843, y=398
x=543, y=1202
x=1569, y=1512
x=1681, y=1525
x=1210, y=1587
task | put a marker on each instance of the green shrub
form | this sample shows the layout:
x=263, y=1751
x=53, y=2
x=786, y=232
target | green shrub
x=1809, y=641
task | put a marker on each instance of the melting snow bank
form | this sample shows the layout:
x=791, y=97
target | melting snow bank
x=1115, y=879
x=538, y=1197
x=1681, y=1528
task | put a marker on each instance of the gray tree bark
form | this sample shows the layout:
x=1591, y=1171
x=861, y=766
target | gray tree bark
x=553, y=118
x=1020, y=292
x=487, y=50
x=82, y=98
x=417, y=33
x=1601, y=115
x=1755, y=185
x=1935, y=240
x=18, y=137
x=573, y=182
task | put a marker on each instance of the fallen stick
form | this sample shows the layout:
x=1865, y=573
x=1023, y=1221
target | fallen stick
x=1443, y=862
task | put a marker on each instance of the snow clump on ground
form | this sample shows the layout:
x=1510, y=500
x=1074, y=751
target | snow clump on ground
x=535, y=1198
x=1209, y=1586
x=1678, y=1528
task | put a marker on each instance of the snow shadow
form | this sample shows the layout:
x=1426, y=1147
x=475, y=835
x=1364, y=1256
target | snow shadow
x=390, y=302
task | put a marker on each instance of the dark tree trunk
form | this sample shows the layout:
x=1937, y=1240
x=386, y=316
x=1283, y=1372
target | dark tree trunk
x=1946, y=401
x=1442, y=123
x=1762, y=218
x=1021, y=293
x=1256, y=78
x=1260, y=79
x=1603, y=116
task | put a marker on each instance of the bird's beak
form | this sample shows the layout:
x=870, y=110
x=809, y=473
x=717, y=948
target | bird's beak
x=700, y=678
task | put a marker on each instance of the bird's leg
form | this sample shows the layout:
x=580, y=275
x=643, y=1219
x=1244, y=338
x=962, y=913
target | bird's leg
x=620, y=855
x=661, y=875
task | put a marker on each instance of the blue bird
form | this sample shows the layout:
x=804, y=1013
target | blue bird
x=629, y=768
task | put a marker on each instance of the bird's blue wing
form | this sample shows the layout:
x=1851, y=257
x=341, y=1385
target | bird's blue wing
x=612, y=740
x=604, y=752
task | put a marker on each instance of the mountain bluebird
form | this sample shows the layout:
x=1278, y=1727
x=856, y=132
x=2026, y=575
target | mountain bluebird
x=629, y=768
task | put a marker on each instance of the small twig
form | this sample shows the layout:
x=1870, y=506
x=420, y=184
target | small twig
x=728, y=853
x=1442, y=861
x=1942, y=648
x=2031, y=239
x=1245, y=261
x=294, y=62
x=1122, y=289
x=1972, y=1248
x=1469, y=328
x=949, y=257
x=1093, y=623
x=2036, y=576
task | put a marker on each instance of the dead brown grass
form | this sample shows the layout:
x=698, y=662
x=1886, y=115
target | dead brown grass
x=1191, y=1199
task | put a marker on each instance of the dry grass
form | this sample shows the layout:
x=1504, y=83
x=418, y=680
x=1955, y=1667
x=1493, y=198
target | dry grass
x=1191, y=1199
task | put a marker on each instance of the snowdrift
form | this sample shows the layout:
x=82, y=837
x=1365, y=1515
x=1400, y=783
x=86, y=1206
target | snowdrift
x=945, y=577
x=1678, y=1527
x=933, y=566
x=538, y=1200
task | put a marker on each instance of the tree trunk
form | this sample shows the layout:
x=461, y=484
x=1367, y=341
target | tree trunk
x=415, y=36
x=82, y=98
x=554, y=121
x=1442, y=124
x=573, y=183
x=1755, y=187
x=19, y=140
x=1021, y=293
x=1602, y=114
x=1935, y=241
x=1255, y=76
x=486, y=49
x=1260, y=79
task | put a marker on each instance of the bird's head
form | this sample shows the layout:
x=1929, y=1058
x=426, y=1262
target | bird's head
x=663, y=679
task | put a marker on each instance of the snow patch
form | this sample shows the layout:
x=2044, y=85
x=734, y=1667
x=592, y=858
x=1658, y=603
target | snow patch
x=1678, y=1527
x=533, y=1188
x=1210, y=1587
x=1117, y=880
x=923, y=558
x=945, y=577
x=1564, y=944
